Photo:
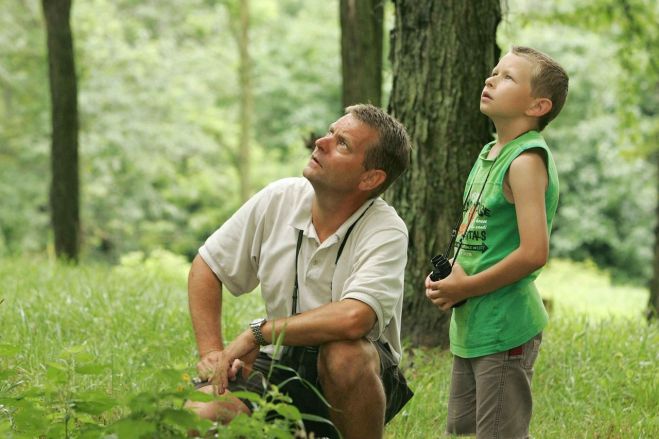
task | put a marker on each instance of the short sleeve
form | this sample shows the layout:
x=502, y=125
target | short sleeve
x=377, y=274
x=232, y=251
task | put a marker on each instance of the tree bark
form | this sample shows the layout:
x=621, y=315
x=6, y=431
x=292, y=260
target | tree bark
x=653, y=303
x=64, y=189
x=441, y=54
x=361, y=51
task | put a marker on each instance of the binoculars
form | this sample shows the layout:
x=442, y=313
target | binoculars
x=441, y=269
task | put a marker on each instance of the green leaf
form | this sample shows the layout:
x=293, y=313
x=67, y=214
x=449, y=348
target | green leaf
x=201, y=397
x=288, y=411
x=316, y=418
x=6, y=373
x=250, y=396
x=180, y=417
x=93, y=403
x=58, y=366
x=143, y=403
x=31, y=419
x=72, y=351
x=132, y=428
x=8, y=350
x=55, y=373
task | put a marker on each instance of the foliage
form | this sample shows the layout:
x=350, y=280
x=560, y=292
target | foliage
x=593, y=379
x=92, y=351
x=608, y=191
x=159, y=121
x=95, y=349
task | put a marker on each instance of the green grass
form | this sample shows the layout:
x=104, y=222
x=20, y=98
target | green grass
x=596, y=376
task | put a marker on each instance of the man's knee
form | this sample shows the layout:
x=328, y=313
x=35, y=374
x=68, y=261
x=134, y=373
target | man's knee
x=347, y=363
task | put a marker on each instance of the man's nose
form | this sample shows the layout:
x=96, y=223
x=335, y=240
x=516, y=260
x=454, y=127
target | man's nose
x=322, y=142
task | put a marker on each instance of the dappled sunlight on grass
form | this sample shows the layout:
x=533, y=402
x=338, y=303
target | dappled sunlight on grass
x=580, y=288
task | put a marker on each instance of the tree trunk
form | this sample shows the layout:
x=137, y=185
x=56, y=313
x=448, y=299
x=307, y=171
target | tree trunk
x=361, y=51
x=245, y=78
x=64, y=189
x=653, y=303
x=441, y=53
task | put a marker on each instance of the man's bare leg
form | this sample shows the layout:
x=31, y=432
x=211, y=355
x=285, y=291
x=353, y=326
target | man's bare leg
x=349, y=373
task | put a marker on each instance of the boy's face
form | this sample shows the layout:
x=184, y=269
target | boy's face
x=507, y=92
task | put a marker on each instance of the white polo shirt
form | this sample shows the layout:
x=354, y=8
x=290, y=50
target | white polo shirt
x=257, y=245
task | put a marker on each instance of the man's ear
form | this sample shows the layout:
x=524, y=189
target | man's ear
x=371, y=179
x=539, y=107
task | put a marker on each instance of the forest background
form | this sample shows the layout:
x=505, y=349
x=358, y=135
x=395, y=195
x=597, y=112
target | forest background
x=160, y=121
x=164, y=159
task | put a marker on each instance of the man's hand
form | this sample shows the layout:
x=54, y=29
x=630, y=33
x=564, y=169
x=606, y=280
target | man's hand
x=222, y=366
x=445, y=293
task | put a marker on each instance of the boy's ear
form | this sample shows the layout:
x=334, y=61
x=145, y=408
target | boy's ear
x=539, y=107
x=372, y=179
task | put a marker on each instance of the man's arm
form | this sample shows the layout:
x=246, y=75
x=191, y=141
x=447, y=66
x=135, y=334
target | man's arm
x=205, y=303
x=528, y=182
x=348, y=319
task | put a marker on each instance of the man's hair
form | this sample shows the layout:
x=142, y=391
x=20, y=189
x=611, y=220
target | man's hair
x=548, y=80
x=391, y=152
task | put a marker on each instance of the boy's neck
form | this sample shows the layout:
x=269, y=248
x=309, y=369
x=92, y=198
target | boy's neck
x=510, y=130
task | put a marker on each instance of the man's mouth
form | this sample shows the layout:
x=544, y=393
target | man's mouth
x=315, y=160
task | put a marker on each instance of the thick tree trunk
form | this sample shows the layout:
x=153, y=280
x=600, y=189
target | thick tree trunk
x=245, y=77
x=64, y=189
x=653, y=303
x=442, y=52
x=361, y=51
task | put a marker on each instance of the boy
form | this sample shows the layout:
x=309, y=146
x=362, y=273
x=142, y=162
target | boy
x=510, y=200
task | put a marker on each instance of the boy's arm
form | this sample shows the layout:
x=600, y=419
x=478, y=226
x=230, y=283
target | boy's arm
x=528, y=182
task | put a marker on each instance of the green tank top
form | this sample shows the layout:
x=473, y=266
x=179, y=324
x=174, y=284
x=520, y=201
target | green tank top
x=512, y=315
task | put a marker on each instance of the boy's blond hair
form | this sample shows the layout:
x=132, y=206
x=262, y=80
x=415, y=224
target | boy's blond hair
x=548, y=80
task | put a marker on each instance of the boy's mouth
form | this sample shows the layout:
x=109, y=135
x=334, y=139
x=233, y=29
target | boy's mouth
x=486, y=95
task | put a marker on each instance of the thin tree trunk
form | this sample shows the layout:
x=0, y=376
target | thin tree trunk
x=442, y=52
x=361, y=51
x=653, y=303
x=245, y=73
x=64, y=189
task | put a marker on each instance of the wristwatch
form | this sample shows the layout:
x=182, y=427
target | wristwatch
x=256, y=326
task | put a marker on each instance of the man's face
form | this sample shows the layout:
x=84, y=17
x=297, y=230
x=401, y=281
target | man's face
x=336, y=162
x=507, y=92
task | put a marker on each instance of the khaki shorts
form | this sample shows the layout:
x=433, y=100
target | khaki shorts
x=491, y=395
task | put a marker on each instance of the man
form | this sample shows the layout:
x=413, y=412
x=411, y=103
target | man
x=330, y=256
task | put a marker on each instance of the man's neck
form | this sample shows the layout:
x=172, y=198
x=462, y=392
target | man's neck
x=328, y=213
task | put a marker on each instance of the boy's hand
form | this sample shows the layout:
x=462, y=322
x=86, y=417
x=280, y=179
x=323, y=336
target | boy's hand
x=447, y=292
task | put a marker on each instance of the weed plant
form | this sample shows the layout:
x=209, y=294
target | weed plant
x=97, y=351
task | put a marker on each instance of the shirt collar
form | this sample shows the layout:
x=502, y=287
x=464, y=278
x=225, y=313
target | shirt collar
x=302, y=218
